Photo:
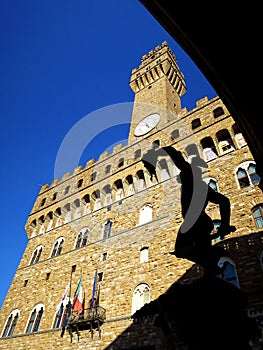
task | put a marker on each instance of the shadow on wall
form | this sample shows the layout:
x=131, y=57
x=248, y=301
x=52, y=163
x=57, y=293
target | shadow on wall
x=196, y=312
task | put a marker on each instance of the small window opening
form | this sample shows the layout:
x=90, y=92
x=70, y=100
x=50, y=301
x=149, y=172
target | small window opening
x=107, y=169
x=175, y=134
x=100, y=276
x=93, y=176
x=196, y=123
x=25, y=283
x=137, y=153
x=43, y=202
x=66, y=190
x=217, y=112
x=104, y=256
x=121, y=162
x=80, y=183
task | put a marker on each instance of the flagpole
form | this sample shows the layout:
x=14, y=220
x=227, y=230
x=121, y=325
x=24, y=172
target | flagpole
x=70, y=281
x=94, y=287
x=68, y=313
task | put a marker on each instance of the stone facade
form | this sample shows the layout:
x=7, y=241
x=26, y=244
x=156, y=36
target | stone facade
x=117, y=188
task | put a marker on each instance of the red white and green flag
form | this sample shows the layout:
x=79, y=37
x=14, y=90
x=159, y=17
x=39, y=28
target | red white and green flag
x=77, y=304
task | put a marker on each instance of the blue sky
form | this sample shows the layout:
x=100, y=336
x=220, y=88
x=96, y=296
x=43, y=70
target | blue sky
x=61, y=60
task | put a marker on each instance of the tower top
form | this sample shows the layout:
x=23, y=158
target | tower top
x=155, y=53
x=157, y=63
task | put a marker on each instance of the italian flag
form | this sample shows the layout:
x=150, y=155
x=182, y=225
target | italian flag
x=78, y=298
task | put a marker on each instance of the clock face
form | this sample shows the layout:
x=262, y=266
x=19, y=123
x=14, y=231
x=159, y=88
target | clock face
x=147, y=124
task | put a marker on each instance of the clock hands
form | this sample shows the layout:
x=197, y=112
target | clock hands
x=147, y=124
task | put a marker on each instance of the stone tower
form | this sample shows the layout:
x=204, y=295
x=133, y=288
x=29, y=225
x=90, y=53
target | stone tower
x=109, y=219
x=158, y=85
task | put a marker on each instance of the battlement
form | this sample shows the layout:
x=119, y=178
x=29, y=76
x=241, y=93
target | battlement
x=92, y=163
x=158, y=63
x=79, y=169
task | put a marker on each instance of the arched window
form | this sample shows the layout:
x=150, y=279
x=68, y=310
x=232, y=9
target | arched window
x=145, y=214
x=86, y=202
x=97, y=200
x=229, y=272
x=34, y=228
x=258, y=215
x=141, y=180
x=82, y=238
x=209, y=149
x=107, y=229
x=164, y=170
x=41, y=222
x=242, y=178
x=240, y=140
x=119, y=191
x=57, y=247
x=50, y=221
x=62, y=313
x=144, y=254
x=108, y=196
x=129, y=181
x=212, y=183
x=141, y=296
x=254, y=177
x=10, y=324
x=246, y=174
x=36, y=255
x=67, y=213
x=35, y=319
x=225, y=142
x=78, y=209
x=58, y=213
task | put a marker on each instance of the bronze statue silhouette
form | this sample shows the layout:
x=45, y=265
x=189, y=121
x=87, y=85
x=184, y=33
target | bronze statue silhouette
x=194, y=237
x=199, y=311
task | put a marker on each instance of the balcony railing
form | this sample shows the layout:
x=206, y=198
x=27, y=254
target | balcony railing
x=90, y=319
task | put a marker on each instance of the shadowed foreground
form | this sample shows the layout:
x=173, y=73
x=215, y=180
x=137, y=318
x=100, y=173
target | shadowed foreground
x=208, y=313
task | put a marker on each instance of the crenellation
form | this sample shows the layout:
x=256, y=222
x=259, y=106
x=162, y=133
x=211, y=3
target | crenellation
x=202, y=102
x=77, y=169
x=117, y=148
x=54, y=182
x=66, y=176
x=90, y=163
x=103, y=156
x=43, y=188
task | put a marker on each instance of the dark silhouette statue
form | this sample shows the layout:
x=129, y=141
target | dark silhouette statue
x=194, y=237
x=207, y=313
